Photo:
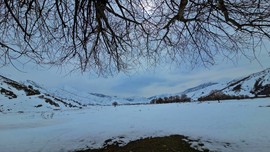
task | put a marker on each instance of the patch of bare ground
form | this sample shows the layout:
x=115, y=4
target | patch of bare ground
x=173, y=143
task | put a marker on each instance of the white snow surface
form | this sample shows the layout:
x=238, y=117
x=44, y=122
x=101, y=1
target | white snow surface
x=23, y=103
x=235, y=125
x=87, y=98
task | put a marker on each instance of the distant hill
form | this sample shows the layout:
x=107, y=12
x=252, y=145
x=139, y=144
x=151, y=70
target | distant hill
x=20, y=97
x=251, y=86
x=30, y=96
x=254, y=85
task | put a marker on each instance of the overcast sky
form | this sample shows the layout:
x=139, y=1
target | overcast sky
x=168, y=79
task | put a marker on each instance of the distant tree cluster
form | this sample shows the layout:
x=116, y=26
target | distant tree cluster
x=219, y=95
x=171, y=99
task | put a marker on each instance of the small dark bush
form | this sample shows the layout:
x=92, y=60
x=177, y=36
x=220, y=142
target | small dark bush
x=37, y=106
x=114, y=103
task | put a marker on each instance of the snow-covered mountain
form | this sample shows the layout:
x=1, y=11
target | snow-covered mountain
x=20, y=97
x=251, y=86
x=86, y=98
x=257, y=84
x=31, y=96
x=254, y=85
x=203, y=89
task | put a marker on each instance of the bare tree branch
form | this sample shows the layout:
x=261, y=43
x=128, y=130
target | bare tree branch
x=115, y=35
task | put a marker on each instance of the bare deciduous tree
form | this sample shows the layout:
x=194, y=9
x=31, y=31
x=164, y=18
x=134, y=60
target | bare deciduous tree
x=109, y=35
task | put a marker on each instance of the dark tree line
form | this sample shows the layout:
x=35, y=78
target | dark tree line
x=114, y=35
x=172, y=99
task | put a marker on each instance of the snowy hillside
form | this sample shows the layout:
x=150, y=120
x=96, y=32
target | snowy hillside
x=254, y=85
x=203, y=90
x=257, y=84
x=31, y=96
x=18, y=97
x=87, y=98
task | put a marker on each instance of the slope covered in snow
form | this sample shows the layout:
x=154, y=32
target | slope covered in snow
x=87, y=98
x=31, y=96
x=203, y=90
x=252, y=86
x=257, y=84
x=19, y=97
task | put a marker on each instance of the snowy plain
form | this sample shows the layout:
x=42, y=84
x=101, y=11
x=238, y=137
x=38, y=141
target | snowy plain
x=229, y=126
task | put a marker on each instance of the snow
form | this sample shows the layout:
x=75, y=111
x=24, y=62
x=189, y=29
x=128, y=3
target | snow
x=87, y=98
x=69, y=96
x=205, y=90
x=23, y=103
x=247, y=86
x=247, y=83
x=235, y=125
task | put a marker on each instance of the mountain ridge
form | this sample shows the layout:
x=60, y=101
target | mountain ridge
x=251, y=86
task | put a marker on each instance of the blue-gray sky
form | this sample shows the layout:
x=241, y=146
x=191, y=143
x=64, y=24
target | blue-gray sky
x=142, y=82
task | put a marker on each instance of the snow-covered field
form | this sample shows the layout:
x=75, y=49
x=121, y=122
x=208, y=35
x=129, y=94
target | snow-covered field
x=239, y=125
